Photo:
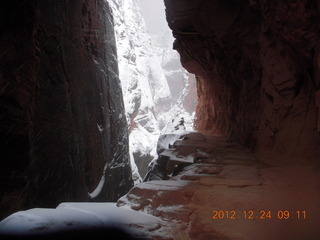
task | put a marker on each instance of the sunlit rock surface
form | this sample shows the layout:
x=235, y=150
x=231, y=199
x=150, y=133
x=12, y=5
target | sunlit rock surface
x=257, y=64
x=63, y=132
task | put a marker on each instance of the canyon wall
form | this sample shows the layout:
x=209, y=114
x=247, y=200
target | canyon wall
x=63, y=131
x=257, y=67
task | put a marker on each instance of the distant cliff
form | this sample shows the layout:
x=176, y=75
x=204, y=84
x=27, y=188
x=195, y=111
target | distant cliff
x=143, y=82
x=63, y=131
x=155, y=86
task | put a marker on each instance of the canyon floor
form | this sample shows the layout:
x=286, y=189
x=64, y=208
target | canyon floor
x=221, y=192
x=229, y=193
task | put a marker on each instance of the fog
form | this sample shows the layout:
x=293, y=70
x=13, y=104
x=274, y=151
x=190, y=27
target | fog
x=153, y=12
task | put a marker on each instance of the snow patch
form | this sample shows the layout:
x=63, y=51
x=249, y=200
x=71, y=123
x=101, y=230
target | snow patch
x=71, y=215
x=100, y=128
x=98, y=189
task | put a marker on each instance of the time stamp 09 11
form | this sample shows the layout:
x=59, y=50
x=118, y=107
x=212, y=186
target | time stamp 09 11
x=262, y=215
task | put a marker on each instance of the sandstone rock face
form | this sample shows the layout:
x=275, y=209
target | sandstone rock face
x=257, y=66
x=63, y=132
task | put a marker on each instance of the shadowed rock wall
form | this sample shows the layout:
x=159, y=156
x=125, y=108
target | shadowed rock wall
x=63, y=130
x=257, y=66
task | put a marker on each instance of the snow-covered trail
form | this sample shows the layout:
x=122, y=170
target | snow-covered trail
x=226, y=193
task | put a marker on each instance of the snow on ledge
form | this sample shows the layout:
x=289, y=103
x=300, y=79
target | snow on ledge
x=69, y=216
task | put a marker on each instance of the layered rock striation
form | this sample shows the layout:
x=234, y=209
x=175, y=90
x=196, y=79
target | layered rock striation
x=63, y=131
x=257, y=67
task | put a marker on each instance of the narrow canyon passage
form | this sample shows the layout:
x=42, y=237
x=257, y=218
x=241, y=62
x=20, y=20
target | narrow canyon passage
x=251, y=168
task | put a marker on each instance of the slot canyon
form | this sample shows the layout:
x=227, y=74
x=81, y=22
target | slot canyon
x=253, y=158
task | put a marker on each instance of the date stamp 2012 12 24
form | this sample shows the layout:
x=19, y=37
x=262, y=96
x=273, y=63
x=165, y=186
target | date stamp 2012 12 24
x=259, y=215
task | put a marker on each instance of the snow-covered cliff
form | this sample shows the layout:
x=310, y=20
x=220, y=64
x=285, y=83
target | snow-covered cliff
x=182, y=84
x=145, y=70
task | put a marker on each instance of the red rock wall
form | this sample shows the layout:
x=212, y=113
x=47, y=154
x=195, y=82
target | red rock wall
x=61, y=110
x=257, y=65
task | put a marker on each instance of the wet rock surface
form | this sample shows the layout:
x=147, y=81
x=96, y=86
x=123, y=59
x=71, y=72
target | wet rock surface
x=63, y=132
